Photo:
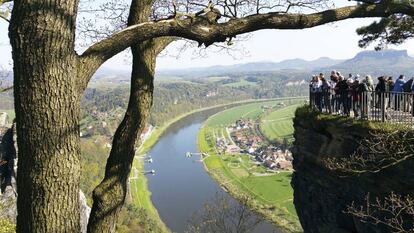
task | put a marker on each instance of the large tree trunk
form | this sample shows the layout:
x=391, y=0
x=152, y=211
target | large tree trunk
x=109, y=195
x=47, y=110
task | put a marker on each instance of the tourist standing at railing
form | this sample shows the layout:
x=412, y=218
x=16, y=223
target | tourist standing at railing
x=382, y=100
x=364, y=98
x=379, y=90
x=316, y=91
x=390, y=87
x=370, y=83
x=327, y=95
x=335, y=94
x=343, y=90
x=397, y=92
x=407, y=89
x=355, y=95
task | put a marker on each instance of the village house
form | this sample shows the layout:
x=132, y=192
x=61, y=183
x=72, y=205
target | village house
x=233, y=149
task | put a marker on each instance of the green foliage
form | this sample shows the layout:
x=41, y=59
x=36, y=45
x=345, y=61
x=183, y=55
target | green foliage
x=394, y=29
x=134, y=219
x=241, y=83
x=6, y=226
x=93, y=158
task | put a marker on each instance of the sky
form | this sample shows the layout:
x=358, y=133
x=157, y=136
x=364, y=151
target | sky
x=335, y=40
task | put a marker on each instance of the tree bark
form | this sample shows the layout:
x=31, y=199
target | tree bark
x=46, y=94
x=109, y=195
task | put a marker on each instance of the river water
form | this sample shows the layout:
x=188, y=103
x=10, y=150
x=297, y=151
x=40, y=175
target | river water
x=181, y=186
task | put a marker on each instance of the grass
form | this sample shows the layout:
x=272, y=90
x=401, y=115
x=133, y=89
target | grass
x=278, y=124
x=272, y=194
x=229, y=116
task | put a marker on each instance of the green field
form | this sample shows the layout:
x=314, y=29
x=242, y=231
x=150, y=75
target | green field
x=278, y=124
x=241, y=83
x=252, y=111
x=272, y=194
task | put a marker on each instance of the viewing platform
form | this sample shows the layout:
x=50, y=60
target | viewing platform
x=387, y=106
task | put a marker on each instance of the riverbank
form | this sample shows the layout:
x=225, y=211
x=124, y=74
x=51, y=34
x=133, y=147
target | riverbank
x=271, y=194
x=141, y=196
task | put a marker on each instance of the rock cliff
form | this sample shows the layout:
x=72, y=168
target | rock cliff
x=322, y=194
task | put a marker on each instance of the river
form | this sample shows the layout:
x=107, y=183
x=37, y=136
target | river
x=181, y=186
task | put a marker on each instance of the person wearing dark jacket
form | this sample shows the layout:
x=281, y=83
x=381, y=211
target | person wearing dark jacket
x=341, y=89
x=407, y=89
x=380, y=90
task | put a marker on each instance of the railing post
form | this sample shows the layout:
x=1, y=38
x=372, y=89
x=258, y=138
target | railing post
x=382, y=97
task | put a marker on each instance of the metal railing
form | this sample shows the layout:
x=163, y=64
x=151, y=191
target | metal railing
x=368, y=105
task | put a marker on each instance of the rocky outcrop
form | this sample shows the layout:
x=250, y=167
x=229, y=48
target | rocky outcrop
x=321, y=195
x=4, y=119
x=85, y=211
x=8, y=195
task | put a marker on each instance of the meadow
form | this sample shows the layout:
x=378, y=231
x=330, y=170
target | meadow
x=278, y=124
x=252, y=111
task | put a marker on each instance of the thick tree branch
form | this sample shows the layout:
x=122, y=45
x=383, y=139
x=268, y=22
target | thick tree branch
x=207, y=32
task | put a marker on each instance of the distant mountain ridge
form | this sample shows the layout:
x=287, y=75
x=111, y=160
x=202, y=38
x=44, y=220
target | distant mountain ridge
x=386, y=62
x=291, y=64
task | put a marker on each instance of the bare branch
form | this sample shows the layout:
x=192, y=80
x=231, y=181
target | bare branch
x=394, y=212
x=378, y=151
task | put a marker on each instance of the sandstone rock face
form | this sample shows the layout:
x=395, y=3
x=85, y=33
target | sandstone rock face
x=3, y=119
x=322, y=195
x=8, y=195
x=85, y=211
